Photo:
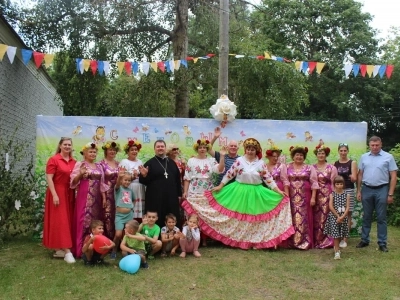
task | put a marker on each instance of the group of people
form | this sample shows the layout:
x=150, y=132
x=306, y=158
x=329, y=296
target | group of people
x=240, y=201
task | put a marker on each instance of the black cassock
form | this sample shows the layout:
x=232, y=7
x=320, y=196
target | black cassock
x=162, y=191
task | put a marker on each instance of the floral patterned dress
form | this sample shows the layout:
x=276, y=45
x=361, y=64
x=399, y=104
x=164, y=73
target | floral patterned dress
x=243, y=214
x=279, y=174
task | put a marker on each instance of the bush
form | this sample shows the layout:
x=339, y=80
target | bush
x=394, y=209
x=19, y=211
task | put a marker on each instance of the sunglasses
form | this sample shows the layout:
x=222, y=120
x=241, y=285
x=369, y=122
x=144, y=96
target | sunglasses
x=175, y=149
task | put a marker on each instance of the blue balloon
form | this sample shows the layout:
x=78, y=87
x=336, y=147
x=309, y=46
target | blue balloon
x=130, y=263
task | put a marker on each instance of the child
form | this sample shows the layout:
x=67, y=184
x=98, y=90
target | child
x=89, y=255
x=337, y=223
x=124, y=198
x=170, y=235
x=151, y=231
x=133, y=242
x=190, y=239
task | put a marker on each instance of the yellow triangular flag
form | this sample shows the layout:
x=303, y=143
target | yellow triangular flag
x=120, y=65
x=86, y=64
x=154, y=66
x=195, y=59
x=320, y=66
x=232, y=54
x=3, y=49
x=266, y=55
x=177, y=64
x=370, y=69
x=48, y=60
x=297, y=64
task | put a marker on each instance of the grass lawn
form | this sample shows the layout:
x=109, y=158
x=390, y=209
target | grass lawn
x=27, y=271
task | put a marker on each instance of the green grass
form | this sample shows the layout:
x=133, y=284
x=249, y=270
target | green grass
x=29, y=272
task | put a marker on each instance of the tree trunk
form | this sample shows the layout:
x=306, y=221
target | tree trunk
x=180, y=46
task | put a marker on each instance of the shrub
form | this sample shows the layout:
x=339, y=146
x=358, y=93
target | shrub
x=18, y=207
x=394, y=209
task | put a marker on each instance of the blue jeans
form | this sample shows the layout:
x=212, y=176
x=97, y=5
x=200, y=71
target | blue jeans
x=374, y=199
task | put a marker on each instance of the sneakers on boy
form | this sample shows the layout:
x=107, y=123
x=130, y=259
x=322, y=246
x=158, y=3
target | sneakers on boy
x=69, y=258
x=342, y=244
x=337, y=255
x=144, y=265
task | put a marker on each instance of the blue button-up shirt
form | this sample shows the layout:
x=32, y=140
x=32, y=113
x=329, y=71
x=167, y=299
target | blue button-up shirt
x=376, y=168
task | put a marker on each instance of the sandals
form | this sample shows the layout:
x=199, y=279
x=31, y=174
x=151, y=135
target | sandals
x=59, y=254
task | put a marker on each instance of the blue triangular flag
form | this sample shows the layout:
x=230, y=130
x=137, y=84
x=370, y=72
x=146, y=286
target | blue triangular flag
x=184, y=62
x=135, y=67
x=281, y=59
x=26, y=55
x=100, y=67
x=304, y=67
x=382, y=70
x=78, y=62
x=166, y=64
x=356, y=69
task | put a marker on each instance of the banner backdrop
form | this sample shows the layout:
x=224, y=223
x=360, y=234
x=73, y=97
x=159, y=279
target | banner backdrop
x=184, y=132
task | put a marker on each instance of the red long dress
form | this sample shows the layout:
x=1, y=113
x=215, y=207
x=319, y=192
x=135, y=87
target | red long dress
x=58, y=219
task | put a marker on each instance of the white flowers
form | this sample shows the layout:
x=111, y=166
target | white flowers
x=223, y=110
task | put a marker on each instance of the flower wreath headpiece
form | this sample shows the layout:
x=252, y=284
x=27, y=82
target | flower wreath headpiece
x=132, y=143
x=293, y=148
x=89, y=146
x=112, y=145
x=324, y=148
x=201, y=142
x=273, y=149
x=253, y=143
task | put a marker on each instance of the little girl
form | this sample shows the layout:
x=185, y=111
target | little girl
x=337, y=223
x=190, y=239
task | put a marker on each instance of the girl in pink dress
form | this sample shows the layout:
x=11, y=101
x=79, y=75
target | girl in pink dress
x=88, y=179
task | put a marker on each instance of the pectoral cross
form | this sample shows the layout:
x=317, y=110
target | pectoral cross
x=166, y=174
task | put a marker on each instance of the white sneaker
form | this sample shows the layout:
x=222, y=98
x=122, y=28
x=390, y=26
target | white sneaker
x=337, y=255
x=69, y=258
x=342, y=244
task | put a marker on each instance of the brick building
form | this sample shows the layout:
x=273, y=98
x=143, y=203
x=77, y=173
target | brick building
x=25, y=92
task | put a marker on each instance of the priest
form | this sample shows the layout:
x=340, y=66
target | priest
x=161, y=177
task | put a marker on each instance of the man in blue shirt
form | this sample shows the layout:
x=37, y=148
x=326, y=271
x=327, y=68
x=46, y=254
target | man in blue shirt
x=376, y=181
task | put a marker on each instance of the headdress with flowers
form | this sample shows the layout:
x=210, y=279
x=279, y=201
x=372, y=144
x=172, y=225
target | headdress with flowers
x=273, y=149
x=297, y=148
x=251, y=142
x=324, y=148
x=87, y=146
x=132, y=143
x=111, y=145
x=201, y=142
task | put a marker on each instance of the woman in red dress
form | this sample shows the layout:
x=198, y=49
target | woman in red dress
x=59, y=202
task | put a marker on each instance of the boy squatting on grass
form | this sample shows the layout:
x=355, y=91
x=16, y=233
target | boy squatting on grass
x=124, y=198
x=133, y=242
x=151, y=231
x=170, y=235
x=89, y=255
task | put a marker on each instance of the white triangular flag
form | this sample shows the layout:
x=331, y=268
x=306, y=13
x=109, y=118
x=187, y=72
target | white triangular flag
x=106, y=67
x=239, y=56
x=171, y=66
x=81, y=68
x=11, y=53
x=376, y=70
x=347, y=69
x=145, y=67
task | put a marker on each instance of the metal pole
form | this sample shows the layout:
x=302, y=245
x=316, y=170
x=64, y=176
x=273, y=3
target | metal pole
x=223, y=47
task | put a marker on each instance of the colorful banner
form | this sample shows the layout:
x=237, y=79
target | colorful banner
x=184, y=132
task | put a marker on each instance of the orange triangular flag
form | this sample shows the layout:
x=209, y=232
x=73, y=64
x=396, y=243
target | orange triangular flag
x=120, y=65
x=38, y=58
x=154, y=66
x=370, y=69
x=195, y=59
x=3, y=49
x=48, y=59
x=86, y=64
x=266, y=55
x=320, y=66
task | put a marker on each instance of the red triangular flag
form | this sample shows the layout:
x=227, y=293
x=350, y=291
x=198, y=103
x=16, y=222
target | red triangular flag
x=363, y=69
x=93, y=66
x=38, y=58
x=189, y=58
x=210, y=54
x=389, y=70
x=311, y=66
x=128, y=68
x=260, y=57
x=161, y=66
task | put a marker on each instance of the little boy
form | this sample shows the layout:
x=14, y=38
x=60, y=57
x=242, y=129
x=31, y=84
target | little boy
x=170, y=235
x=151, y=231
x=90, y=256
x=133, y=242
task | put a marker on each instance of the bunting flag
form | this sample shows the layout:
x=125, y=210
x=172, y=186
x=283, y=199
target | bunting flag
x=311, y=66
x=3, y=50
x=184, y=63
x=26, y=55
x=93, y=66
x=304, y=67
x=195, y=59
x=356, y=69
x=86, y=64
x=106, y=68
x=128, y=68
x=120, y=66
x=154, y=66
x=298, y=64
x=135, y=68
x=11, y=51
x=78, y=62
x=177, y=64
x=363, y=70
x=48, y=60
x=145, y=68
x=161, y=66
x=382, y=71
x=347, y=69
x=389, y=70
x=320, y=66
x=266, y=55
x=370, y=69
x=376, y=70
x=172, y=66
x=38, y=58
x=100, y=67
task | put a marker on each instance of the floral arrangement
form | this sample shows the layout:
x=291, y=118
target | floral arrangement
x=132, y=143
x=292, y=148
x=87, y=146
x=273, y=149
x=322, y=147
x=111, y=145
x=202, y=142
x=223, y=110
